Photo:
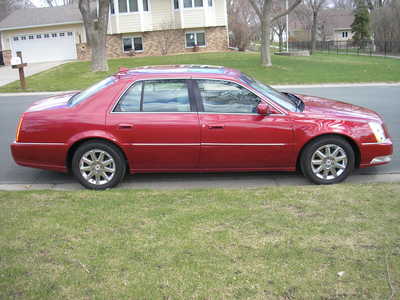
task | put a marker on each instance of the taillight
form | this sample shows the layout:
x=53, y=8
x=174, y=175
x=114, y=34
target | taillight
x=18, y=129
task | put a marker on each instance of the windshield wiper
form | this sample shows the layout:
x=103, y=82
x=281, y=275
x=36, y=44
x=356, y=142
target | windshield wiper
x=70, y=100
x=296, y=101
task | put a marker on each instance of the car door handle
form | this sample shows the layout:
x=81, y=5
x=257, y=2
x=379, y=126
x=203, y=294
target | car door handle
x=215, y=126
x=125, y=126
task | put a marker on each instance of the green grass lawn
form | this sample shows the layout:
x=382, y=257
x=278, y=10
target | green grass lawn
x=271, y=243
x=319, y=68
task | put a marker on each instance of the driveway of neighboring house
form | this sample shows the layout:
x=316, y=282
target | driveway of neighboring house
x=7, y=74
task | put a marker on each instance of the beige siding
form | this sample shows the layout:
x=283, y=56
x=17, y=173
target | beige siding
x=129, y=22
x=220, y=12
x=112, y=25
x=162, y=15
x=194, y=17
x=77, y=29
x=177, y=19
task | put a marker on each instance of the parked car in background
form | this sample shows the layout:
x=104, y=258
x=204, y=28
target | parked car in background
x=196, y=119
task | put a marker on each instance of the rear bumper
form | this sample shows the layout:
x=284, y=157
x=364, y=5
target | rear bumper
x=375, y=154
x=48, y=156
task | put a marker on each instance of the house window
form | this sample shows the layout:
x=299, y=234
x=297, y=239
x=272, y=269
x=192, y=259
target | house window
x=46, y=35
x=344, y=34
x=192, y=3
x=31, y=37
x=69, y=33
x=54, y=35
x=38, y=36
x=62, y=34
x=15, y=38
x=112, y=8
x=145, y=5
x=133, y=43
x=176, y=4
x=125, y=6
x=210, y=3
x=195, y=39
x=23, y=38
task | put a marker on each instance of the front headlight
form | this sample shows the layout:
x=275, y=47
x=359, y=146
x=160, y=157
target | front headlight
x=378, y=131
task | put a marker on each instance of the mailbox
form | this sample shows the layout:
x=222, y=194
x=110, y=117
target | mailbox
x=15, y=60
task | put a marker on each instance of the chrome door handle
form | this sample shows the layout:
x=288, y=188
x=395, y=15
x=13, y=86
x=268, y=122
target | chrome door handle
x=125, y=126
x=215, y=126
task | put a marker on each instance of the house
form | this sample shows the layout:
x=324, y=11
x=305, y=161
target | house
x=136, y=27
x=334, y=25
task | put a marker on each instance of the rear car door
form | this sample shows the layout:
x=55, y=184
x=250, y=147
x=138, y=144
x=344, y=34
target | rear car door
x=234, y=135
x=157, y=122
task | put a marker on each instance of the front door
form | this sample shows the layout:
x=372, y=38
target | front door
x=156, y=120
x=234, y=135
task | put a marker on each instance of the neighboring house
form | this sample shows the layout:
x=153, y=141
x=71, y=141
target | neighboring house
x=136, y=27
x=334, y=25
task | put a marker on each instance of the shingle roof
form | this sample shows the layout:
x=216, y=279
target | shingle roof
x=34, y=17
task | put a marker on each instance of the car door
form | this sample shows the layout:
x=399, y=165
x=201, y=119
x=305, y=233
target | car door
x=234, y=135
x=157, y=122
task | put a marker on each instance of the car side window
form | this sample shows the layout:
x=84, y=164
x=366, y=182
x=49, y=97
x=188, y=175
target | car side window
x=220, y=96
x=170, y=95
x=167, y=95
x=130, y=101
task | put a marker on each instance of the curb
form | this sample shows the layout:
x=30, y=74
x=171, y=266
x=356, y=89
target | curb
x=290, y=86
x=267, y=181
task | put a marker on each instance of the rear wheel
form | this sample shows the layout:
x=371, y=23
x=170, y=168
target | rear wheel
x=98, y=165
x=327, y=160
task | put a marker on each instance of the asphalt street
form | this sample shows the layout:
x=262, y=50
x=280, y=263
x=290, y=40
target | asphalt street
x=383, y=99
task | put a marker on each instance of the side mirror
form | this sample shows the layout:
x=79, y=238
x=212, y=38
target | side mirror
x=263, y=109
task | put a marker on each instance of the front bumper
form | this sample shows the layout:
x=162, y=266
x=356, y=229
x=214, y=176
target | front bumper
x=374, y=154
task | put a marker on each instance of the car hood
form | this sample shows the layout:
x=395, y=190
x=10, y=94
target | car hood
x=336, y=109
x=54, y=102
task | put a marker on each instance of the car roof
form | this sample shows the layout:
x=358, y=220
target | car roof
x=179, y=69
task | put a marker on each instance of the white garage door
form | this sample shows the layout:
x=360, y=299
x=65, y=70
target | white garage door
x=46, y=46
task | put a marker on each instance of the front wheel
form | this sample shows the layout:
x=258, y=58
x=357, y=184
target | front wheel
x=98, y=165
x=327, y=160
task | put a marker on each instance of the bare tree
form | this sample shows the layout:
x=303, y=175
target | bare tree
x=167, y=36
x=96, y=31
x=8, y=6
x=344, y=4
x=242, y=23
x=279, y=25
x=263, y=9
x=315, y=7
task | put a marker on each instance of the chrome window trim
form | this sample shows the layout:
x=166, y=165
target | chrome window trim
x=262, y=97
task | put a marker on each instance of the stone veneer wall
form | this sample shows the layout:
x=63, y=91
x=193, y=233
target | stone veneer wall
x=7, y=57
x=161, y=43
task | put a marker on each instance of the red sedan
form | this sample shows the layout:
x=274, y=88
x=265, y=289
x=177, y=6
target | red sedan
x=196, y=119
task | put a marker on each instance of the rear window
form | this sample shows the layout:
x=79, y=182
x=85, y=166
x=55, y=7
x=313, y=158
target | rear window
x=94, y=89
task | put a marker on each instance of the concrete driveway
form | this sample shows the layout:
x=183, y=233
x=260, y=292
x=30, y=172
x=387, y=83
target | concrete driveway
x=7, y=74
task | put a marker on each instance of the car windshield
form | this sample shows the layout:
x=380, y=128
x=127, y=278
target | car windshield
x=269, y=92
x=77, y=98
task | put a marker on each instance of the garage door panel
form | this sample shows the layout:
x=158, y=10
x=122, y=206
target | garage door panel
x=46, y=46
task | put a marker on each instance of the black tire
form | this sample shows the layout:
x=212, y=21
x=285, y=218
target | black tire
x=335, y=174
x=116, y=164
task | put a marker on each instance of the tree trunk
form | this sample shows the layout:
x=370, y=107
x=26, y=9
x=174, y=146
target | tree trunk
x=265, y=35
x=280, y=41
x=99, y=54
x=314, y=32
x=96, y=32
